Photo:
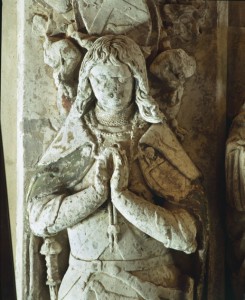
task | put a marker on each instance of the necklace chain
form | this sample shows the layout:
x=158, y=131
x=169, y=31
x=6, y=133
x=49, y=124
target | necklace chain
x=114, y=119
x=101, y=134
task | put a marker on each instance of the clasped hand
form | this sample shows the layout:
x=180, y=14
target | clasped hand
x=112, y=171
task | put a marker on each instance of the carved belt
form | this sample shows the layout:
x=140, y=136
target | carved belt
x=126, y=265
x=120, y=268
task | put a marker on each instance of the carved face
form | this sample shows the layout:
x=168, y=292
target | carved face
x=112, y=86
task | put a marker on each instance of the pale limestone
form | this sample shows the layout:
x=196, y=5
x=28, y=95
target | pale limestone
x=98, y=148
x=104, y=176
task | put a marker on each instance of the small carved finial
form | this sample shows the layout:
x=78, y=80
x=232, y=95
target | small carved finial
x=51, y=249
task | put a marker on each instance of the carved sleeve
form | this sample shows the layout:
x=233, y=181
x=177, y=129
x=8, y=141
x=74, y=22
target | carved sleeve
x=52, y=214
x=176, y=229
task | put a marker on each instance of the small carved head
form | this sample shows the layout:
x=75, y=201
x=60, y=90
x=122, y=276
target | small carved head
x=113, y=72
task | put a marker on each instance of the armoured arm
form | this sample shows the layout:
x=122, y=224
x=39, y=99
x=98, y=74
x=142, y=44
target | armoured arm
x=176, y=229
x=53, y=213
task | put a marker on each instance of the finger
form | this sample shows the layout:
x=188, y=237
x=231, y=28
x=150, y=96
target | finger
x=119, y=158
x=101, y=170
x=101, y=164
x=119, y=180
x=101, y=179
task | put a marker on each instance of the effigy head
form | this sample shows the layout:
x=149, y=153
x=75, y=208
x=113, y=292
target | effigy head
x=120, y=65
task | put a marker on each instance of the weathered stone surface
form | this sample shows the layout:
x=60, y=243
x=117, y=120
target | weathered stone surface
x=61, y=6
x=173, y=67
x=103, y=191
x=235, y=180
x=236, y=75
x=187, y=21
x=234, y=152
x=116, y=151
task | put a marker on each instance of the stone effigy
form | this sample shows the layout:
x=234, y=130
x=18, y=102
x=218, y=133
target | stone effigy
x=235, y=181
x=112, y=160
x=116, y=207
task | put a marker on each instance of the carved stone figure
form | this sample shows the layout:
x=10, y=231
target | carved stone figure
x=117, y=179
x=140, y=20
x=235, y=180
x=65, y=59
x=186, y=20
x=173, y=67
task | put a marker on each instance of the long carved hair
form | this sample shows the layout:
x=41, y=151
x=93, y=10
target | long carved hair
x=116, y=50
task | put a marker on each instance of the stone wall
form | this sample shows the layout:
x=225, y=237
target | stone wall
x=236, y=58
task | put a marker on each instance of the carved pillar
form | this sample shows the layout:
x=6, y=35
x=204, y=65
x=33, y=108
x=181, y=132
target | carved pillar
x=235, y=181
x=118, y=162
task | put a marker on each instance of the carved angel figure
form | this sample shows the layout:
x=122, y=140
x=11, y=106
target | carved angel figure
x=121, y=184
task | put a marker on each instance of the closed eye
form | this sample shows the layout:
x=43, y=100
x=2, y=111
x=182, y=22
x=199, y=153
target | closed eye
x=122, y=79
